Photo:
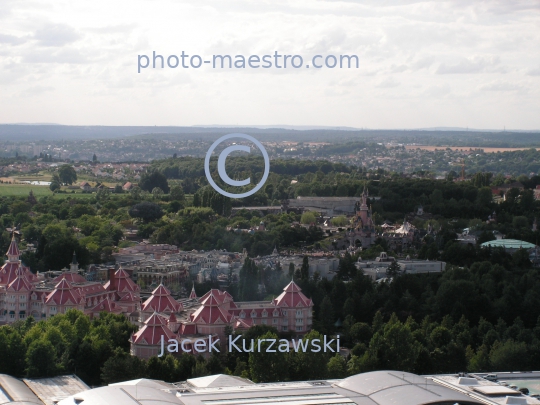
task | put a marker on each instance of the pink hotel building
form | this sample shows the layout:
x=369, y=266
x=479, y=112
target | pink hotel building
x=24, y=294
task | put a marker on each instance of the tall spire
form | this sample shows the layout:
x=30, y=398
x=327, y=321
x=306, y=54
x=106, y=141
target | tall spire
x=193, y=293
x=13, y=252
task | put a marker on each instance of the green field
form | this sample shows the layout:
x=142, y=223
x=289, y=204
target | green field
x=22, y=190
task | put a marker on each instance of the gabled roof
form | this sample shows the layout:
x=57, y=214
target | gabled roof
x=161, y=290
x=161, y=301
x=108, y=306
x=64, y=294
x=71, y=277
x=211, y=315
x=124, y=283
x=8, y=272
x=220, y=296
x=152, y=331
x=292, y=297
x=20, y=283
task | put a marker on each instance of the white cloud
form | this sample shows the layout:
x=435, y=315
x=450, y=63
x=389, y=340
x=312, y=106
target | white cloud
x=427, y=61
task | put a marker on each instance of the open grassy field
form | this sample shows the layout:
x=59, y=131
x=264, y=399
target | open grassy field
x=22, y=190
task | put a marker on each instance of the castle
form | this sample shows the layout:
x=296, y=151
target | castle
x=362, y=232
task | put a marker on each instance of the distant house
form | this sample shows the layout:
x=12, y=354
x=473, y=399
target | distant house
x=128, y=186
x=85, y=186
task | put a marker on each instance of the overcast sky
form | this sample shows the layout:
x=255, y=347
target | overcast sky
x=422, y=63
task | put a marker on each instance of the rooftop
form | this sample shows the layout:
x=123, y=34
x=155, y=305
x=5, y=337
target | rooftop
x=509, y=244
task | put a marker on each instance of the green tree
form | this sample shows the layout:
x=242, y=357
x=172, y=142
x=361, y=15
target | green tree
x=304, y=270
x=177, y=193
x=393, y=270
x=265, y=367
x=41, y=359
x=67, y=174
x=310, y=364
x=340, y=220
x=151, y=180
x=327, y=315
x=337, y=367
x=147, y=211
x=308, y=217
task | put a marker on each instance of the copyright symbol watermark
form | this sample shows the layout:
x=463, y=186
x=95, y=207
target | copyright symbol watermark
x=221, y=166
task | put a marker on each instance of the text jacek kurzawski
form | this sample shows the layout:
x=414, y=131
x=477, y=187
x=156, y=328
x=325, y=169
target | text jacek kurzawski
x=254, y=345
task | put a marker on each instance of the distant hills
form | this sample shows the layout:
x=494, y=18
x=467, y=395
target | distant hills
x=439, y=136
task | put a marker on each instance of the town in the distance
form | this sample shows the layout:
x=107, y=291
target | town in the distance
x=415, y=251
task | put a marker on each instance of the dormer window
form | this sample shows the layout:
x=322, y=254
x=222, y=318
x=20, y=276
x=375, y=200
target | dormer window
x=285, y=312
x=253, y=314
x=276, y=313
x=242, y=315
x=264, y=314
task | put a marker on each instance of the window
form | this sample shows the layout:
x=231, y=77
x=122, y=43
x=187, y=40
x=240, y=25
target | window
x=299, y=328
x=263, y=322
x=22, y=298
x=299, y=312
x=299, y=321
x=53, y=309
x=22, y=305
x=12, y=316
x=276, y=313
x=284, y=328
x=264, y=314
x=22, y=316
x=274, y=321
x=284, y=312
x=242, y=315
x=253, y=314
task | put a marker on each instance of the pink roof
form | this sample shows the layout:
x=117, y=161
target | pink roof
x=161, y=301
x=71, y=277
x=152, y=331
x=161, y=290
x=172, y=318
x=13, y=248
x=292, y=297
x=193, y=294
x=108, y=306
x=210, y=314
x=220, y=296
x=20, y=283
x=64, y=294
x=124, y=283
x=8, y=273
x=92, y=288
x=129, y=297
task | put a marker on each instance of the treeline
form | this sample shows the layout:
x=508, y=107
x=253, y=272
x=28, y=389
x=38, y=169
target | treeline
x=479, y=318
x=64, y=344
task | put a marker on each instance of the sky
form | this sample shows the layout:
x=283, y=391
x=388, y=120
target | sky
x=455, y=63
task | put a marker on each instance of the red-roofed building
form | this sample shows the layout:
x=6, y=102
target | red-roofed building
x=146, y=341
x=209, y=315
x=160, y=301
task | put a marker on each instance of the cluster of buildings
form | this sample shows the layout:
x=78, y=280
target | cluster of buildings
x=24, y=294
x=206, y=318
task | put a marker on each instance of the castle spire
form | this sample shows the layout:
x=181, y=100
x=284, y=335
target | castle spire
x=13, y=252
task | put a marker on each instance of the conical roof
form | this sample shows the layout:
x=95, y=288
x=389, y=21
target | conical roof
x=13, y=248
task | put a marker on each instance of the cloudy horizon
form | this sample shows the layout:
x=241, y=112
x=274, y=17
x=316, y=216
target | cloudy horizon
x=422, y=63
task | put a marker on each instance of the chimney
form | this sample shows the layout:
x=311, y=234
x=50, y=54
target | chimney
x=112, y=278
